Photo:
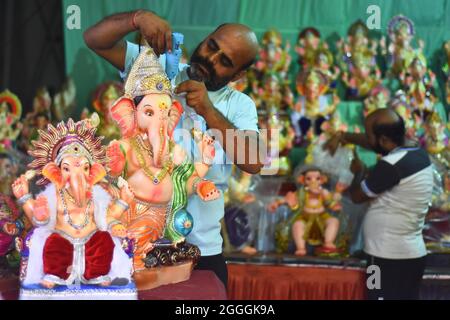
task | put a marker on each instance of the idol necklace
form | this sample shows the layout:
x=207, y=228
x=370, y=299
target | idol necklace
x=67, y=216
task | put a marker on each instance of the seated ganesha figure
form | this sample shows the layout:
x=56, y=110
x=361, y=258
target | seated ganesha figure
x=71, y=243
x=158, y=171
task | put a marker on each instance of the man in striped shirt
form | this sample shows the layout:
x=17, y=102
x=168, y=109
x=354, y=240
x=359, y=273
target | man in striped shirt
x=398, y=189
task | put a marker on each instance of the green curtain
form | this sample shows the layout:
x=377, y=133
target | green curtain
x=196, y=18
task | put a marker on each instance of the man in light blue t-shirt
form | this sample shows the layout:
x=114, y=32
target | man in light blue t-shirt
x=201, y=86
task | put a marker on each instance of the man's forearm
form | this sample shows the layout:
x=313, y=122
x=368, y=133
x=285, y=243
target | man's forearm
x=359, y=139
x=355, y=191
x=108, y=32
x=358, y=177
x=216, y=120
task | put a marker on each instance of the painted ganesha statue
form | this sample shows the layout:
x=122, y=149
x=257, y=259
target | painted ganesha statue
x=72, y=244
x=159, y=172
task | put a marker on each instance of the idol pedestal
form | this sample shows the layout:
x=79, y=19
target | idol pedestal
x=155, y=277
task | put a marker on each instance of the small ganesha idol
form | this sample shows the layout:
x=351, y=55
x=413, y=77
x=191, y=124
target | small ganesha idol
x=400, y=51
x=314, y=106
x=446, y=70
x=10, y=125
x=308, y=46
x=103, y=98
x=312, y=222
x=10, y=225
x=273, y=57
x=360, y=71
x=72, y=242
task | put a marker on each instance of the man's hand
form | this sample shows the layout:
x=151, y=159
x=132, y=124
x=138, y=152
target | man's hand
x=196, y=96
x=155, y=30
x=357, y=165
x=333, y=143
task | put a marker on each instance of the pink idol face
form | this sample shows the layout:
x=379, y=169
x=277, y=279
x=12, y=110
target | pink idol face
x=153, y=109
x=74, y=165
x=314, y=181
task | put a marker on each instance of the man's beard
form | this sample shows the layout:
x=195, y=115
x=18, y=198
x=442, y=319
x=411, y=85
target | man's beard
x=379, y=149
x=212, y=82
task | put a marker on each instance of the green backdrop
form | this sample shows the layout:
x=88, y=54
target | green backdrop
x=196, y=18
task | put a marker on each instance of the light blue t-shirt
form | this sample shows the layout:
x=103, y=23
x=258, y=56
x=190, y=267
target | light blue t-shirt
x=240, y=110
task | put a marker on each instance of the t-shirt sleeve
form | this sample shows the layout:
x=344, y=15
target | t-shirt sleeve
x=130, y=57
x=382, y=177
x=245, y=116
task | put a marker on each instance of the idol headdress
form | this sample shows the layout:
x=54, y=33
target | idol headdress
x=11, y=104
x=146, y=77
x=66, y=139
x=400, y=23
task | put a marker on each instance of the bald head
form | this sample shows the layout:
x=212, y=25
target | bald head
x=223, y=56
x=245, y=38
x=383, y=116
x=385, y=127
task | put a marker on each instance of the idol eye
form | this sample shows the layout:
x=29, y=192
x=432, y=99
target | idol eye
x=66, y=169
x=86, y=169
x=149, y=113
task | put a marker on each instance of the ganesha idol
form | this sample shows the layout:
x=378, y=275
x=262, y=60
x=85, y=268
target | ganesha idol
x=446, y=70
x=11, y=225
x=158, y=171
x=103, y=98
x=418, y=83
x=436, y=140
x=308, y=46
x=273, y=57
x=312, y=222
x=400, y=51
x=10, y=113
x=360, y=71
x=314, y=106
x=72, y=244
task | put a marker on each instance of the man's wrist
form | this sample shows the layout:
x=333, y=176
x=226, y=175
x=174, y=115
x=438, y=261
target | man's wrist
x=208, y=112
x=360, y=175
x=342, y=137
x=135, y=19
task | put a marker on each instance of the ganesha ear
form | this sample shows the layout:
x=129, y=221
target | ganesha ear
x=174, y=116
x=323, y=179
x=52, y=172
x=123, y=112
x=96, y=174
x=301, y=179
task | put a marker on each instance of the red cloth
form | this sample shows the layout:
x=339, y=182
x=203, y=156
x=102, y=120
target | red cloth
x=203, y=285
x=253, y=282
x=99, y=255
x=58, y=255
